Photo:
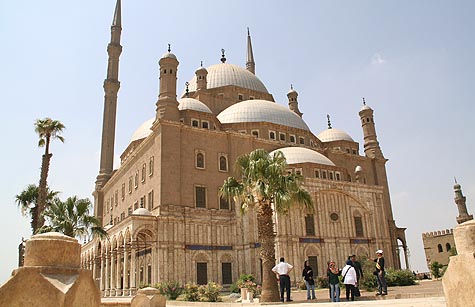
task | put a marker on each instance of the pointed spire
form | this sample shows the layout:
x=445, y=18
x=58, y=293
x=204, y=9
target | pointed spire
x=250, y=64
x=364, y=102
x=187, y=90
x=116, y=27
x=291, y=86
x=329, y=122
x=223, y=58
x=455, y=179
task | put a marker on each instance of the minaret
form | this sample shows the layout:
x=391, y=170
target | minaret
x=111, y=87
x=167, y=104
x=371, y=144
x=461, y=206
x=293, y=103
x=250, y=65
x=201, y=78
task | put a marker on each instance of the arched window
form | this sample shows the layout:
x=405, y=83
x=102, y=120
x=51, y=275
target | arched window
x=200, y=160
x=223, y=163
x=439, y=247
x=447, y=247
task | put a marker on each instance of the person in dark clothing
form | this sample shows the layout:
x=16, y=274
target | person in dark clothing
x=334, y=283
x=379, y=272
x=357, y=266
x=307, y=275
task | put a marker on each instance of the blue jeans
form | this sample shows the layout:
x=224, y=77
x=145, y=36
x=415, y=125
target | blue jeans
x=310, y=287
x=335, y=292
x=382, y=285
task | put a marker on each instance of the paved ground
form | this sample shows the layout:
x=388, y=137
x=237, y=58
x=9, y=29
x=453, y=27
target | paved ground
x=424, y=294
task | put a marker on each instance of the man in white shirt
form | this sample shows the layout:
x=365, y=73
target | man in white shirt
x=282, y=270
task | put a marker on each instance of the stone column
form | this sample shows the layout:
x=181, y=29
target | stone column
x=107, y=273
x=119, y=267
x=133, y=273
x=113, y=274
x=126, y=290
x=103, y=275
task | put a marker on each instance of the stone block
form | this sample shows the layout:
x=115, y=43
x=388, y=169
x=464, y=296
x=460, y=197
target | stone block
x=148, y=297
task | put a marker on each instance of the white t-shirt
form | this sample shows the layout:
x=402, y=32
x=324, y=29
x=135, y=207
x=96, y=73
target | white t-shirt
x=282, y=268
x=350, y=277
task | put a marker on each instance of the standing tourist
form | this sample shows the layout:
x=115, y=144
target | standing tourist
x=379, y=272
x=333, y=272
x=307, y=275
x=282, y=270
x=349, y=279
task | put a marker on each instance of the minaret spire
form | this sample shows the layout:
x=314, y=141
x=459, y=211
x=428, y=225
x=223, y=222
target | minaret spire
x=329, y=122
x=461, y=205
x=293, y=102
x=250, y=65
x=111, y=88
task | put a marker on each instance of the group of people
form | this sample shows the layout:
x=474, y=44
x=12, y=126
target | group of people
x=351, y=274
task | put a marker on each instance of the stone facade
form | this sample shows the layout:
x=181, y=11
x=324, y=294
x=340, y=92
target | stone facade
x=162, y=210
x=438, y=246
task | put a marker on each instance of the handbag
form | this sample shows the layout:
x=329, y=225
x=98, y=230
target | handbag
x=357, y=292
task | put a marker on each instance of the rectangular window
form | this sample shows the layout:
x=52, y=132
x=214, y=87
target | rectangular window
x=205, y=124
x=130, y=185
x=195, y=123
x=150, y=200
x=330, y=175
x=149, y=274
x=309, y=225
x=317, y=173
x=271, y=135
x=144, y=172
x=227, y=273
x=201, y=273
x=136, y=179
x=200, y=197
x=240, y=97
x=324, y=174
x=223, y=203
x=116, y=198
x=150, y=166
x=282, y=136
x=359, y=226
x=292, y=139
x=122, y=192
x=302, y=140
x=355, y=152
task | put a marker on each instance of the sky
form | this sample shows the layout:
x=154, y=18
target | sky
x=411, y=60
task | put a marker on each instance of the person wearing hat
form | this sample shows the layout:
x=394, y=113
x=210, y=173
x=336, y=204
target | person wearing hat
x=379, y=272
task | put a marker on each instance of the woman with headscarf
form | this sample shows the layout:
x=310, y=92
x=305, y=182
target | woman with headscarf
x=307, y=275
x=349, y=279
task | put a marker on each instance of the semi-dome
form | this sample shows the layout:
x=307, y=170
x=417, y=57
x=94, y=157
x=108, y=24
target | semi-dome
x=228, y=74
x=252, y=111
x=333, y=134
x=192, y=104
x=143, y=131
x=141, y=211
x=295, y=155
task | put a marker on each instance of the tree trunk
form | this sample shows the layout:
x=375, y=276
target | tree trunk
x=266, y=236
x=42, y=191
x=34, y=218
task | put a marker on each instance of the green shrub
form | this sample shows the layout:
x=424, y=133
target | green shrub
x=368, y=282
x=235, y=287
x=400, y=278
x=435, y=269
x=191, y=292
x=170, y=289
x=322, y=282
x=210, y=292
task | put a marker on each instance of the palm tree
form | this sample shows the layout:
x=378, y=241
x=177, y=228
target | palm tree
x=265, y=184
x=72, y=218
x=47, y=130
x=27, y=201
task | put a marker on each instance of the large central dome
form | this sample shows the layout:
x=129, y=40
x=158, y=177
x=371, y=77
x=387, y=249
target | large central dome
x=228, y=74
x=253, y=111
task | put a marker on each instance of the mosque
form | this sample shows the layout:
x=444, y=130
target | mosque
x=161, y=207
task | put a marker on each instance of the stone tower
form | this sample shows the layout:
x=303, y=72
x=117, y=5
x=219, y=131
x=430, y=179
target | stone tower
x=201, y=78
x=371, y=144
x=111, y=88
x=293, y=103
x=250, y=64
x=167, y=104
x=461, y=206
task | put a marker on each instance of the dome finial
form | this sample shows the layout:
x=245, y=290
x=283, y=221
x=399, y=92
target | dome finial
x=169, y=48
x=223, y=58
x=291, y=86
x=329, y=122
x=187, y=90
x=364, y=102
x=455, y=178
x=201, y=63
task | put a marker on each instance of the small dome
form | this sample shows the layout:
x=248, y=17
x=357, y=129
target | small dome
x=193, y=104
x=201, y=69
x=168, y=55
x=295, y=155
x=143, y=131
x=252, y=111
x=228, y=74
x=291, y=91
x=141, y=211
x=333, y=134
